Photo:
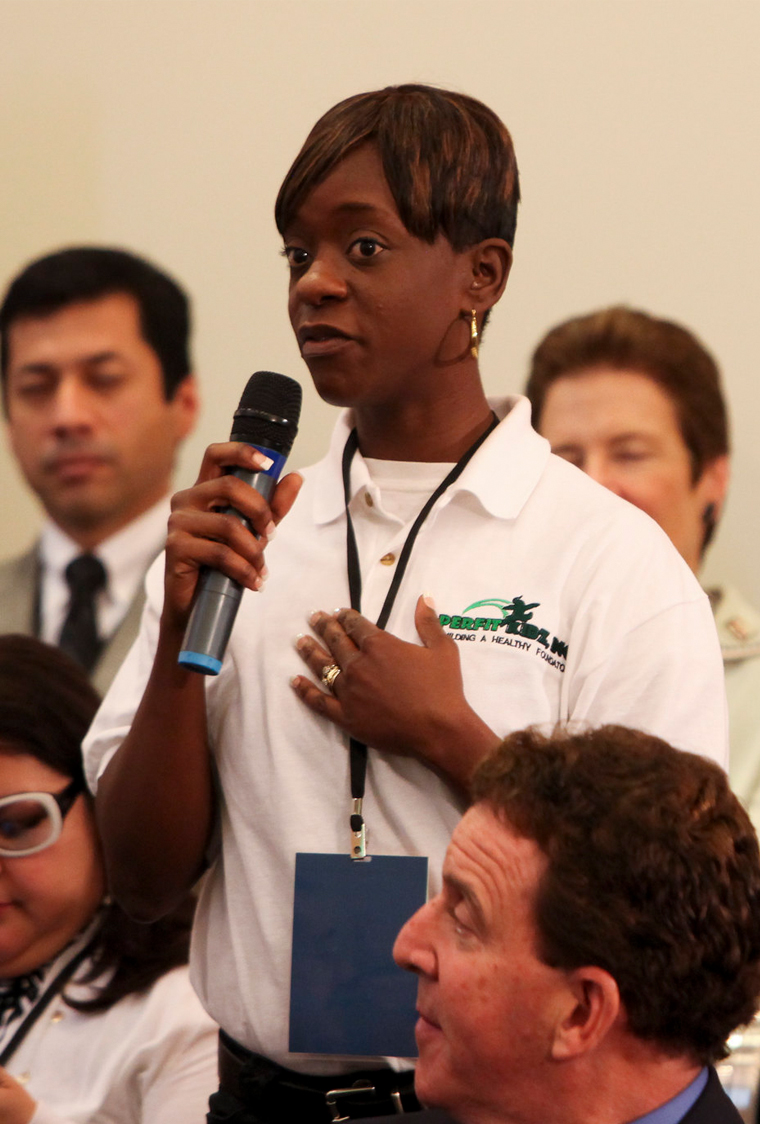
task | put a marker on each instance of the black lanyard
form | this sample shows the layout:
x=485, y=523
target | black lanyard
x=358, y=750
x=55, y=987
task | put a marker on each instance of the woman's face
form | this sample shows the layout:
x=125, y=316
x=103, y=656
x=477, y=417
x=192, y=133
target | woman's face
x=377, y=312
x=48, y=897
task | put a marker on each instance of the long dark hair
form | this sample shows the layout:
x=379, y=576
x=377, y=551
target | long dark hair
x=46, y=707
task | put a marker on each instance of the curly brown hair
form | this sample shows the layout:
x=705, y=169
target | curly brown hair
x=653, y=875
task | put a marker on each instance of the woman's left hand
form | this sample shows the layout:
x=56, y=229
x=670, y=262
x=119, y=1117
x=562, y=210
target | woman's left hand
x=16, y=1106
x=395, y=696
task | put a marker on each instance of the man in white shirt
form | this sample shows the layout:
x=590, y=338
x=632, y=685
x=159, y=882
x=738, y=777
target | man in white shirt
x=98, y=394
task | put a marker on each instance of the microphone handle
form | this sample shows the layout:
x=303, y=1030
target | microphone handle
x=218, y=597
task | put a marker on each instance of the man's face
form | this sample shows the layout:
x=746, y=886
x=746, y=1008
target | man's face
x=622, y=429
x=487, y=1004
x=87, y=417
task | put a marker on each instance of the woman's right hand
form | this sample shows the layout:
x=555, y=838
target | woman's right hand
x=16, y=1106
x=201, y=533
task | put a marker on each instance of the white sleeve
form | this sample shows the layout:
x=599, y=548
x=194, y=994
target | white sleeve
x=665, y=676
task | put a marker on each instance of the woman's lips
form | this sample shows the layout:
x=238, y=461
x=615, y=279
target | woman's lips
x=317, y=340
x=311, y=349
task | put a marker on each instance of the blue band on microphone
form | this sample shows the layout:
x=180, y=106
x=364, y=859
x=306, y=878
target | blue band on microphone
x=277, y=458
x=218, y=596
x=196, y=661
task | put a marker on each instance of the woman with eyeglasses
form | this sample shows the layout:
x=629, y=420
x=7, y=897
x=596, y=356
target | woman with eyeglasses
x=98, y=1021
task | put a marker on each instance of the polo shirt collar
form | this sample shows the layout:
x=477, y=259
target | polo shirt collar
x=501, y=476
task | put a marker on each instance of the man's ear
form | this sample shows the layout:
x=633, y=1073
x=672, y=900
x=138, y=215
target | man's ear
x=491, y=262
x=185, y=406
x=593, y=1006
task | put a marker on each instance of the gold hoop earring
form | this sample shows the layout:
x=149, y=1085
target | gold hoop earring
x=474, y=336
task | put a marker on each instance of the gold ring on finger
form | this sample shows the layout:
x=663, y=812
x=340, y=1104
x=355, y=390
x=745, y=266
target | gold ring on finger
x=330, y=673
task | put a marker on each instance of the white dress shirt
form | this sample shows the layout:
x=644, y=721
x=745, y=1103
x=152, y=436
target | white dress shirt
x=126, y=557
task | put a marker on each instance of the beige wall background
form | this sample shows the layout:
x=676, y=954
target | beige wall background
x=167, y=125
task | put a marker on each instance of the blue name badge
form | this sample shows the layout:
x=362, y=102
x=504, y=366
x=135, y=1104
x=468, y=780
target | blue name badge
x=347, y=996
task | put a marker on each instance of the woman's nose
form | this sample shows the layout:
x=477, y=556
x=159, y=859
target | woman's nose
x=324, y=279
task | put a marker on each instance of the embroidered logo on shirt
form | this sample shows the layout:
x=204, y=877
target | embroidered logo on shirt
x=514, y=627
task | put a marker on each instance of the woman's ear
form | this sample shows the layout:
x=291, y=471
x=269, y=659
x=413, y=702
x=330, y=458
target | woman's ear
x=491, y=262
x=593, y=1006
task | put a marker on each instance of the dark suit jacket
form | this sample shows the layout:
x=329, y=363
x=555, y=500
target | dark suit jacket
x=19, y=584
x=714, y=1106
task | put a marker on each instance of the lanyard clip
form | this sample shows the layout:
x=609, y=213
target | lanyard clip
x=358, y=831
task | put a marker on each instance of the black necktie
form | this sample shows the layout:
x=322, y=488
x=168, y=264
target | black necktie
x=85, y=575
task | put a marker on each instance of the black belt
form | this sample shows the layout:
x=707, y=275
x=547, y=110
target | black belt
x=276, y=1095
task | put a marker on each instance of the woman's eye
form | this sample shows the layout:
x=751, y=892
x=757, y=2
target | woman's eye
x=365, y=248
x=296, y=257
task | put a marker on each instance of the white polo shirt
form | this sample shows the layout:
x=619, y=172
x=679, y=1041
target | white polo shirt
x=566, y=603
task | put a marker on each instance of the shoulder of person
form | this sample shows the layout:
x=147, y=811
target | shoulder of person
x=737, y=621
x=21, y=567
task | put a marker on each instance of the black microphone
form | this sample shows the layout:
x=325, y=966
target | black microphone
x=267, y=417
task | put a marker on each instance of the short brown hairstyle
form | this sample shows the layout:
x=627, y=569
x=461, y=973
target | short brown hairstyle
x=628, y=339
x=653, y=875
x=448, y=159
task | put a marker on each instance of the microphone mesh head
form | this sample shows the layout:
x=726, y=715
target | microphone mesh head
x=268, y=414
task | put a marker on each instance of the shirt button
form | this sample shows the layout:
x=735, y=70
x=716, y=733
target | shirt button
x=388, y=559
x=368, y=500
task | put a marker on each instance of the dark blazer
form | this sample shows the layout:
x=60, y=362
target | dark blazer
x=19, y=586
x=714, y=1106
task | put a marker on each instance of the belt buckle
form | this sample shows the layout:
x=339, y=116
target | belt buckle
x=334, y=1095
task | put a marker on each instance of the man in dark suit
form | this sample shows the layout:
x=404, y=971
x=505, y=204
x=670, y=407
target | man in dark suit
x=596, y=940
x=97, y=394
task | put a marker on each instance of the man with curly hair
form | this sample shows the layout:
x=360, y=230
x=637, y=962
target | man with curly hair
x=596, y=940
